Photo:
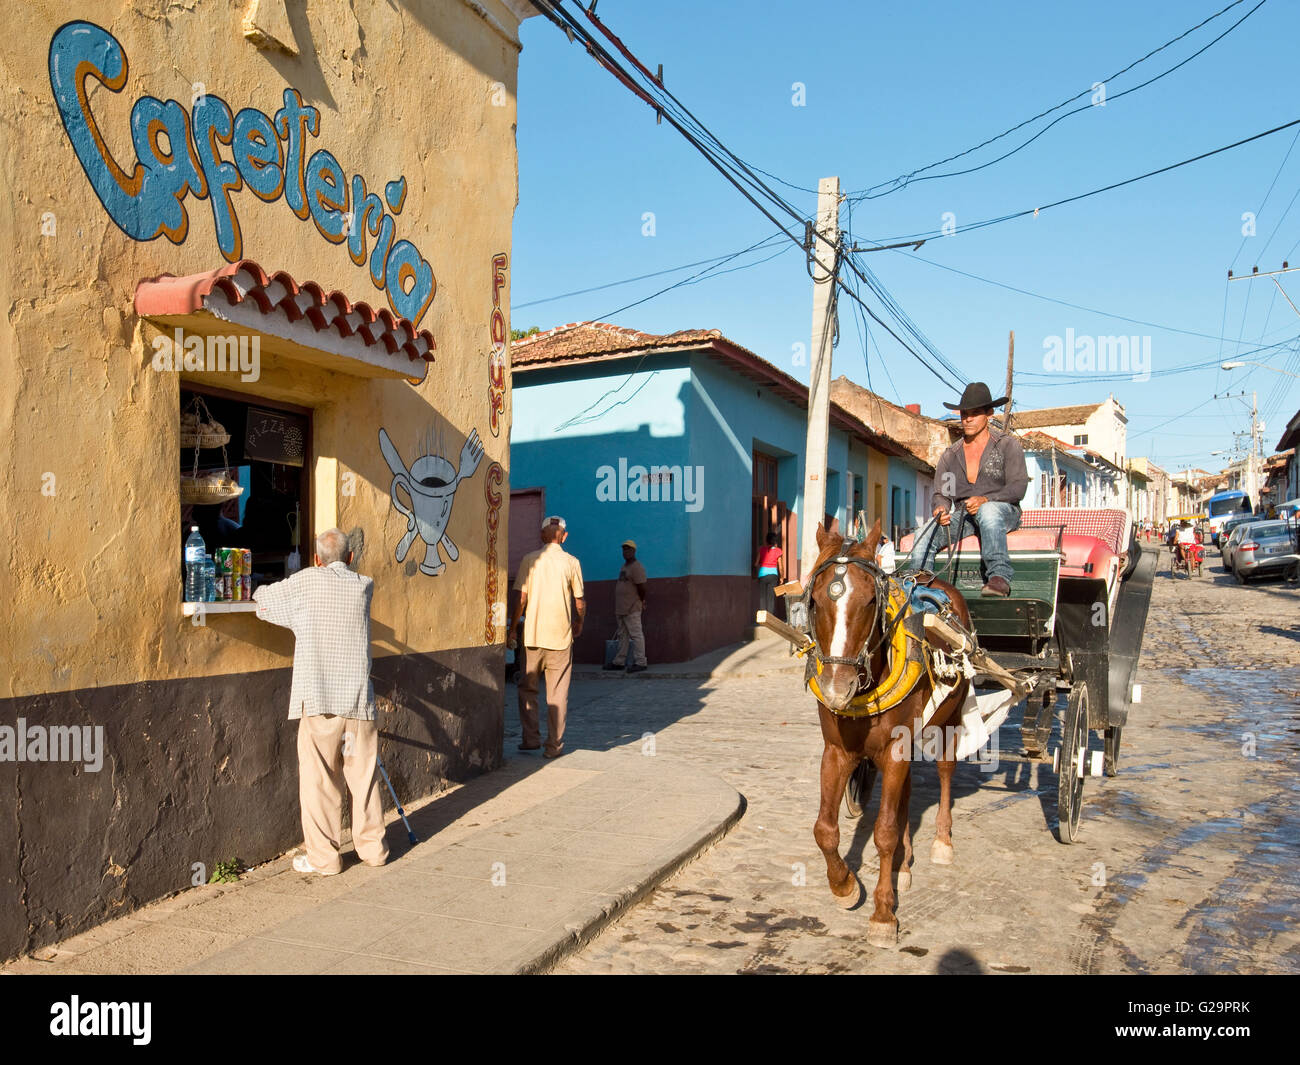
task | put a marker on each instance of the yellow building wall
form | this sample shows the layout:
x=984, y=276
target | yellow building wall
x=877, y=491
x=90, y=530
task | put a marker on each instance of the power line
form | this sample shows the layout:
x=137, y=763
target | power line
x=1061, y=302
x=641, y=277
x=732, y=167
x=906, y=179
x=931, y=234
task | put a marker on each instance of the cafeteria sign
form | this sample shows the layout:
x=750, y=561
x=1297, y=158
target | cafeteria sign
x=269, y=157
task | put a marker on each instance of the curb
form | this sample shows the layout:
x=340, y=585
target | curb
x=578, y=935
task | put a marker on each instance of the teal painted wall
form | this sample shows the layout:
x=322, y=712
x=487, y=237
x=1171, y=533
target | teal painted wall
x=675, y=411
x=557, y=443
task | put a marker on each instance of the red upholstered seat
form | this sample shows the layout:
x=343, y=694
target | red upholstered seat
x=1090, y=542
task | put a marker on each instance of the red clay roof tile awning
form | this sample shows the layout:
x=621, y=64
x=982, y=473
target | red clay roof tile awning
x=296, y=320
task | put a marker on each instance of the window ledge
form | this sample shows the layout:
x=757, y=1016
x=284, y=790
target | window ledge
x=198, y=612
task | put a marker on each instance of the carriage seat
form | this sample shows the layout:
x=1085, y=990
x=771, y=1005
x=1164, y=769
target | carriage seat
x=1082, y=555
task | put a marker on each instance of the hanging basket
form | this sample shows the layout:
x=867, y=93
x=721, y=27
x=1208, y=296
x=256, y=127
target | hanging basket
x=200, y=430
x=210, y=488
x=208, y=436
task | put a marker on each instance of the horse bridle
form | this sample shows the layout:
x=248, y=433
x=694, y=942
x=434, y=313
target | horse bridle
x=801, y=617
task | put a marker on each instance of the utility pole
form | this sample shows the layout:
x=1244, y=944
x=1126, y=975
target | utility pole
x=824, y=248
x=1011, y=364
x=1255, y=448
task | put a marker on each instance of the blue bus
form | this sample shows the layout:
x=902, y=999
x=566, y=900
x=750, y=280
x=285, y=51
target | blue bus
x=1225, y=505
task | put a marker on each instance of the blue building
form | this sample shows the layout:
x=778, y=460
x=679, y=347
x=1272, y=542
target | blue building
x=688, y=444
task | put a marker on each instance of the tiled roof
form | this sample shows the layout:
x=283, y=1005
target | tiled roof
x=1033, y=419
x=1035, y=441
x=579, y=340
x=280, y=295
x=592, y=341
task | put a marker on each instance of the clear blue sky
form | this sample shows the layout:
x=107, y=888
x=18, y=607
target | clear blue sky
x=893, y=87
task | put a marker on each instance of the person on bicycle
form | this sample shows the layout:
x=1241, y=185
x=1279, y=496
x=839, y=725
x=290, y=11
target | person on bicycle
x=1183, y=539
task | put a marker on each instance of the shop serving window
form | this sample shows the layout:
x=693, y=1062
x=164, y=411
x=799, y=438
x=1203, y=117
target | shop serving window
x=247, y=486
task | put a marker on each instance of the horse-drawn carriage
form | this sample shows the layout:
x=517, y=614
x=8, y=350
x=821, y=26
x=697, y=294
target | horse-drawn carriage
x=1069, y=635
x=1072, y=627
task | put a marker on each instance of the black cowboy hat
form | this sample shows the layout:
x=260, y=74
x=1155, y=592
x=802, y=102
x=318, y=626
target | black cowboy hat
x=976, y=397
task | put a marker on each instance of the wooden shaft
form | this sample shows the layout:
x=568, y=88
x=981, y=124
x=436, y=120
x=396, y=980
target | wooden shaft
x=979, y=659
x=786, y=632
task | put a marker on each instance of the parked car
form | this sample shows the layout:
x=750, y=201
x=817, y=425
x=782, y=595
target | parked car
x=1265, y=548
x=1226, y=532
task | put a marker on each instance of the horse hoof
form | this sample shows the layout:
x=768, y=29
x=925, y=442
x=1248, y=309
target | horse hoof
x=941, y=852
x=904, y=879
x=882, y=933
x=852, y=898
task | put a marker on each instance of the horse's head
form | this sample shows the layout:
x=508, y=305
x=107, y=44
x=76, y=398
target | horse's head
x=843, y=614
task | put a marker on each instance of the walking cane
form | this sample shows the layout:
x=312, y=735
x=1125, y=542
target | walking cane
x=409, y=834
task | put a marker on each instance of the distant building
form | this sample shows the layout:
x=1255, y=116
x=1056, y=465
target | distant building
x=1060, y=474
x=692, y=446
x=923, y=437
x=1149, y=491
x=1100, y=428
x=1291, y=441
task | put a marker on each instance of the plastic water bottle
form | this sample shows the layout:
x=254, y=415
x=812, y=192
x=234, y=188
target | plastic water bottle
x=209, y=580
x=195, y=550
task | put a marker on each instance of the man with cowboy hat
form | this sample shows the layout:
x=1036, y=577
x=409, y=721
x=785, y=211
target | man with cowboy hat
x=981, y=479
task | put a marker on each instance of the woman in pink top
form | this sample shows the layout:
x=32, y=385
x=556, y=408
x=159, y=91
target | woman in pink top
x=769, y=574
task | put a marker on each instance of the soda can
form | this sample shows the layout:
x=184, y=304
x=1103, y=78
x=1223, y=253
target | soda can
x=236, y=588
x=246, y=562
x=223, y=591
x=246, y=588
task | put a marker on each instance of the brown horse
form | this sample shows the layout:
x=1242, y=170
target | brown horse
x=851, y=652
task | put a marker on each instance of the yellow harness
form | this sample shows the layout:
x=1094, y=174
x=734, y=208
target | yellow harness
x=904, y=669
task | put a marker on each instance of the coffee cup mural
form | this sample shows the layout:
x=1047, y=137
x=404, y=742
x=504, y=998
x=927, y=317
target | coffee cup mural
x=430, y=483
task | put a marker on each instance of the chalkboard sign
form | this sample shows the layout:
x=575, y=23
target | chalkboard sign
x=275, y=436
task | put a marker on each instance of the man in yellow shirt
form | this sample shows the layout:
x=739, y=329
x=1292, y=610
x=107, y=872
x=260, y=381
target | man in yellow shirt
x=550, y=590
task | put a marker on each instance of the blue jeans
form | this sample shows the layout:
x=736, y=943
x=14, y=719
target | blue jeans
x=990, y=523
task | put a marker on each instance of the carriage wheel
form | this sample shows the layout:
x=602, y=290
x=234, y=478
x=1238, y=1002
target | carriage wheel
x=1069, y=776
x=1111, y=763
x=858, y=792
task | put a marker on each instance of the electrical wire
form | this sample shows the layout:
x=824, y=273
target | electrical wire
x=734, y=169
x=1061, y=302
x=902, y=181
x=969, y=227
x=640, y=277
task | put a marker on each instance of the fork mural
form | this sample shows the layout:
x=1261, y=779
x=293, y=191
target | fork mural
x=431, y=485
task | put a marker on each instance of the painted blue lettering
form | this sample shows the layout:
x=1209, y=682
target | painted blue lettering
x=327, y=196
x=293, y=122
x=410, y=283
x=367, y=213
x=258, y=154
x=213, y=123
x=146, y=202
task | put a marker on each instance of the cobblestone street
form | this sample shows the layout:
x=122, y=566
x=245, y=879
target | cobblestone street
x=1185, y=864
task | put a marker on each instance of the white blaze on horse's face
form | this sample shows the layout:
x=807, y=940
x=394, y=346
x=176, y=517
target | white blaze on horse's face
x=840, y=641
x=850, y=623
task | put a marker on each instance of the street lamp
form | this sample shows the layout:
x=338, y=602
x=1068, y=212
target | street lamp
x=1261, y=365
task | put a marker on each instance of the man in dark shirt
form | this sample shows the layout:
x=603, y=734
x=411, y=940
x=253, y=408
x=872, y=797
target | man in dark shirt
x=982, y=479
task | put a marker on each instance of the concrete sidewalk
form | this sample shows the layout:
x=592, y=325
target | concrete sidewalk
x=767, y=655
x=520, y=867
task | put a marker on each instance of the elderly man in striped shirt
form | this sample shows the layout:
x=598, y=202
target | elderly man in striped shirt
x=333, y=701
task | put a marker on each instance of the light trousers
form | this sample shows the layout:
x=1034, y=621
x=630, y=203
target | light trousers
x=558, y=667
x=333, y=751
